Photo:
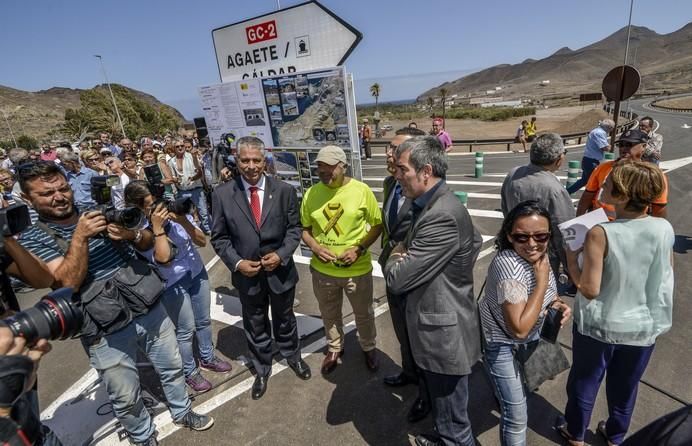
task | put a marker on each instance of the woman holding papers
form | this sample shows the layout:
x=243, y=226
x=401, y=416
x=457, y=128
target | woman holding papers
x=519, y=289
x=624, y=303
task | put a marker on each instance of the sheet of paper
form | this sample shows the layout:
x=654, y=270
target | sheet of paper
x=574, y=230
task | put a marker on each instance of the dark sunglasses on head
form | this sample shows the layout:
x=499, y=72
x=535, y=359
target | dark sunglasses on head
x=540, y=237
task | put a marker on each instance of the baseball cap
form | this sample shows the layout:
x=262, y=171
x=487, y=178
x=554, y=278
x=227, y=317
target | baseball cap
x=635, y=136
x=331, y=155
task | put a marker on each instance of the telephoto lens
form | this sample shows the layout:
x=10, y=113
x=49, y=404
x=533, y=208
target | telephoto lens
x=55, y=316
x=130, y=218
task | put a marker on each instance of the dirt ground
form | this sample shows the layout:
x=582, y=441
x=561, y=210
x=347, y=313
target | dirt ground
x=560, y=119
x=685, y=102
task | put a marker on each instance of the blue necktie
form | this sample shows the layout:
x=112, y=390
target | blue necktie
x=394, y=206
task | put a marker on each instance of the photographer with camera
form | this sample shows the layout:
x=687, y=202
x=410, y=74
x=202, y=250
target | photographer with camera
x=118, y=296
x=167, y=180
x=19, y=422
x=186, y=168
x=187, y=296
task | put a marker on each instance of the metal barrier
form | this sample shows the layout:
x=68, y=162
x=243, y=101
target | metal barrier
x=471, y=143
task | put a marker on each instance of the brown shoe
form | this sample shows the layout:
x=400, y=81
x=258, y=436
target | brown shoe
x=330, y=362
x=371, y=360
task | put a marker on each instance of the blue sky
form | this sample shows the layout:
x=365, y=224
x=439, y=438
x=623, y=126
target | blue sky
x=164, y=47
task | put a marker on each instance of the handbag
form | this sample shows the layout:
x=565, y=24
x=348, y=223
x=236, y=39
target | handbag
x=538, y=361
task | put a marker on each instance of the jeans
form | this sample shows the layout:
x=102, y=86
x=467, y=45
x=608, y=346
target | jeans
x=115, y=357
x=588, y=165
x=509, y=389
x=449, y=397
x=199, y=295
x=198, y=198
x=622, y=366
x=179, y=308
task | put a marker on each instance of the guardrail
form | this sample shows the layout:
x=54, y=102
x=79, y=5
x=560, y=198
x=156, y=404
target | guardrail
x=471, y=143
x=672, y=109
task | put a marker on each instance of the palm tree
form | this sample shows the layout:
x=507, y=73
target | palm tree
x=375, y=91
x=443, y=97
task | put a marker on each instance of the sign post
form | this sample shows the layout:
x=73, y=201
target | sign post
x=303, y=37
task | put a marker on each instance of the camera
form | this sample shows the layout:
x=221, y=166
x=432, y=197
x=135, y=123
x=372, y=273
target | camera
x=178, y=206
x=55, y=316
x=14, y=219
x=129, y=217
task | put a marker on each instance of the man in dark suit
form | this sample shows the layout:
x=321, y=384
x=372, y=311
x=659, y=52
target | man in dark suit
x=397, y=219
x=255, y=231
x=434, y=268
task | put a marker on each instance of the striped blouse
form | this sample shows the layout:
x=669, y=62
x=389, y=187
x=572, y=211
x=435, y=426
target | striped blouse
x=510, y=278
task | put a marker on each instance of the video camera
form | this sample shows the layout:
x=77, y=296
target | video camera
x=14, y=219
x=129, y=217
x=178, y=206
x=55, y=316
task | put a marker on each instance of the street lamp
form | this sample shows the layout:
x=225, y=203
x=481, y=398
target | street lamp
x=105, y=76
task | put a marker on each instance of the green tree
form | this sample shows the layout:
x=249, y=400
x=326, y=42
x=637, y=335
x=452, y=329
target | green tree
x=27, y=142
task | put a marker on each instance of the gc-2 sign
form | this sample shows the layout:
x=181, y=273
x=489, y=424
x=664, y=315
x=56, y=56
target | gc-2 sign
x=261, y=32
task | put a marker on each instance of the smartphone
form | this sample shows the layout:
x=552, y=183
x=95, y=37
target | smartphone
x=551, y=325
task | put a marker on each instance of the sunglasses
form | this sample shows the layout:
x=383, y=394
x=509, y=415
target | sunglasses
x=540, y=237
x=93, y=159
x=178, y=147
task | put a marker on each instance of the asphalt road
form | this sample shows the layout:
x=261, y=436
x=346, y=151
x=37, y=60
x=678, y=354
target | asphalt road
x=351, y=406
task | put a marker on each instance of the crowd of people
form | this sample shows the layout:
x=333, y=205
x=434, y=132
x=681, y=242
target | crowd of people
x=623, y=274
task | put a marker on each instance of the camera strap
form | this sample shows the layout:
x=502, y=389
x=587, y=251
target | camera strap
x=63, y=244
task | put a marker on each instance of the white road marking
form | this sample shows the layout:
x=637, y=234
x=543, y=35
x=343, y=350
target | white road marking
x=165, y=425
x=671, y=165
x=454, y=182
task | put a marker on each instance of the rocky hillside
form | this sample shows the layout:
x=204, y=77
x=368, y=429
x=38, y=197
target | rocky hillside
x=38, y=114
x=664, y=61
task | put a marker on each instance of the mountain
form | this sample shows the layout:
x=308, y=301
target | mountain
x=664, y=61
x=38, y=114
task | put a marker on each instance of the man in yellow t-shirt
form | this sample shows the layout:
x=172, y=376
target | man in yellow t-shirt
x=335, y=215
x=531, y=130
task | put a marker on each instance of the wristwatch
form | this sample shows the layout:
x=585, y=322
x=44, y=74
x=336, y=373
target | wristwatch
x=138, y=236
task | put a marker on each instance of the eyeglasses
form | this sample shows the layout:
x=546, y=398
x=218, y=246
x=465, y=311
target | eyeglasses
x=540, y=237
x=178, y=147
x=93, y=159
x=110, y=162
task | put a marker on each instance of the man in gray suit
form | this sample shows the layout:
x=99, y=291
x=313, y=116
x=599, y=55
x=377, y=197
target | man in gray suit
x=255, y=231
x=397, y=220
x=434, y=268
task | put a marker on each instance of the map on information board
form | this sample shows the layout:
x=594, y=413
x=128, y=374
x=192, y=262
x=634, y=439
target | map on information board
x=300, y=110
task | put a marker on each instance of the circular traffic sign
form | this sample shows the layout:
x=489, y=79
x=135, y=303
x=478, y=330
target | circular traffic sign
x=621, y=83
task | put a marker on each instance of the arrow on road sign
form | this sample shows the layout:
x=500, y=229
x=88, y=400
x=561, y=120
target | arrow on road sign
x=303, y=37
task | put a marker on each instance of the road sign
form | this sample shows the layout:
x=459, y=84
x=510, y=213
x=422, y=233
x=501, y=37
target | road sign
x=621, y=83
x=590, y=97
x=303, y=37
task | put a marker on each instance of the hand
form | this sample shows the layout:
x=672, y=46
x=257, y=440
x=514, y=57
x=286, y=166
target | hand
x=180, y=219
x=324, y=254
x=16, y=345
x=249, y=268
x=400, y=248
x=566, y=311
x=542, y=269
x=90, y=224
x=117, y=232
x=349, y=256
x=159, y=217
x=270, y=261
x=226, y=173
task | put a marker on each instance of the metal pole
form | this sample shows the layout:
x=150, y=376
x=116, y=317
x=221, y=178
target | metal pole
x=10, y=129
x=115, y=105
x=278, y=4
x=629, y=30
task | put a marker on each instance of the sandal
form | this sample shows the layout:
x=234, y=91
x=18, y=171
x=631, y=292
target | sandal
x=560, y=427
x=601, y=429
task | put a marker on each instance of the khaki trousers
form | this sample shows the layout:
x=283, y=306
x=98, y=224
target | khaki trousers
x=329, y=292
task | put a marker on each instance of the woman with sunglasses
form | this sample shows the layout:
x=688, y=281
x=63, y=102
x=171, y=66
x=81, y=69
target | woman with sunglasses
x=519, y=289
x=625, y=301
x=92, y=159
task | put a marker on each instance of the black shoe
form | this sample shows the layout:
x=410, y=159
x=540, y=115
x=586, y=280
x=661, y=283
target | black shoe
x=151, y=441
x=400, y=380
x=301, y=369
x=259, y=387
x=195, y=421
x=427, y=440
x=419, y=410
